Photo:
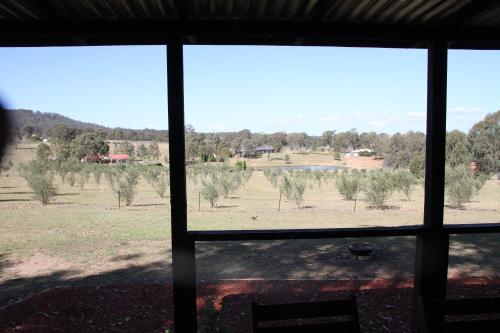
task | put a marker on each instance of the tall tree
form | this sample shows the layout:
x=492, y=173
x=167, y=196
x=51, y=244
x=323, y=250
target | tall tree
x=484, y=140
x=457, y=149
x=88, y=144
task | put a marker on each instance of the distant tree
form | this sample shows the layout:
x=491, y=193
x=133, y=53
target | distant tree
x=43, y=152
x=128, y=148
x=327, y=138
x=142, y=151
x=287, y=159
x=457, y=149
x=484, y=140
x=28, y=131
x=61, y=138
x=154, y=151
x=88, y=144
x=417, y=165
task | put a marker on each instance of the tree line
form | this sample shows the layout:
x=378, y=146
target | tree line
x=400, y=150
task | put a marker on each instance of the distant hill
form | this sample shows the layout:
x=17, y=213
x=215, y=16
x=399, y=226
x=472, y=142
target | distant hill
x=45, y=122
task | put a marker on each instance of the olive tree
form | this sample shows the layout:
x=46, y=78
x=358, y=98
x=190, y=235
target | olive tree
x=379, y=187
x=405, y=182
x=40, y=179
x=349, y=184
x=123, y=181
x=461, y=185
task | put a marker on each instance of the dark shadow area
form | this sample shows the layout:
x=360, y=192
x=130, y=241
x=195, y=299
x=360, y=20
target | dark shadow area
x=304, y=259
x=226, y=206
x=17, y=193
x=275, y=271
x=474, y=255
x=146, y=205
x=14, y=200
x=126, y=257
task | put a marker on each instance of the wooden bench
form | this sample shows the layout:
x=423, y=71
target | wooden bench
x=433, y=312
x=339, y=316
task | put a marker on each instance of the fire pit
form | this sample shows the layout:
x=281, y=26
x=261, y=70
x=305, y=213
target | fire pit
x=363, y=251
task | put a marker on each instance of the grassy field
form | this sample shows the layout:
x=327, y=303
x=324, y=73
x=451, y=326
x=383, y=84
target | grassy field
x=83, y=237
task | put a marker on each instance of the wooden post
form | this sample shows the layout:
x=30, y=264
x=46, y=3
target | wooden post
x=431, y=262
x=183, y=248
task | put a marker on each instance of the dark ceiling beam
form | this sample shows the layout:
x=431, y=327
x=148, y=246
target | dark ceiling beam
x=472, y=10
x=124, y=32
x=180, y=7
x=46, y=8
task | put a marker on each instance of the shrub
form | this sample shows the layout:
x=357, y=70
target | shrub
x=71, y=178
x=97, y=172
x=405, y=182
x=379, y=188
x=123, y=181
x=287, y=159
x=210, y=191
x=82, y=177
x=366, y=153
x=43, y=152
x=349, y=185
x=210, y=320
x=40, y=179
x=242, y=165
x=460, y=185
x=480, y=180
x=417, y=165
x=298, y=188
x=158, y=177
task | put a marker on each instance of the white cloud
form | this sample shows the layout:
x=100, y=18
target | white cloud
x=463, y=111
x=380, y=123
x=223, y=128
x=416, y=115
x=384, y=120
x=284, y=120
x=330, y=120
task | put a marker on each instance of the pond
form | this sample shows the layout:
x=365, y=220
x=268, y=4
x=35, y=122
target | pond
x=309, y=167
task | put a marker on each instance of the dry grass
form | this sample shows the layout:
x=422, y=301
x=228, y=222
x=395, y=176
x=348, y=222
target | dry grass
x=84, y=231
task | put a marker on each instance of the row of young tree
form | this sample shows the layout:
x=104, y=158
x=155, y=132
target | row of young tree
x=376, y=186
x=122, y=179
x=213, y=181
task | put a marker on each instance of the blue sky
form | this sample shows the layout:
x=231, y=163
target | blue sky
x=264, y=89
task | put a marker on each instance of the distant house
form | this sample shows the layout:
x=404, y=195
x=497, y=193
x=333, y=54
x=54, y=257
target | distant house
x=257, y=151
x=359, y=152
x=263, y=149
x=119, y=158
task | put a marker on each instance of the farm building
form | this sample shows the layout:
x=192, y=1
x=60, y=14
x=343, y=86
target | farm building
x=435, y=26
x=119, y=158
x=359, y=152
x=263, y=150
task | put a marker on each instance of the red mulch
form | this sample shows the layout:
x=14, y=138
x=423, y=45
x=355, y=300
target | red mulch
x=384, y=305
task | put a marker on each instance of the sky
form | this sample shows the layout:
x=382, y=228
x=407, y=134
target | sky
x=264, y=89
